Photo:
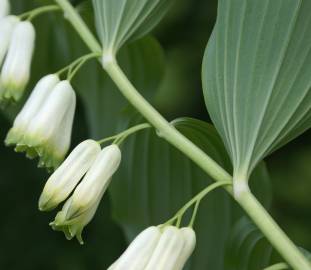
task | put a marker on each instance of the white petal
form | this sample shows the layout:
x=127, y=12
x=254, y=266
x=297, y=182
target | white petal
x=167, y=251
x=7, y=25
x=4, y=8
x=66, y=177
x=63, y=139
x=96, y=180
x=56, y=110
x=139, y=252
x=35, y=101
x=16, y=69
x=190, y=242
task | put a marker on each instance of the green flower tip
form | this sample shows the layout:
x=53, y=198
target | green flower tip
x=71, y=228
x=46, y=203
x=11, y=93
x=33, y=147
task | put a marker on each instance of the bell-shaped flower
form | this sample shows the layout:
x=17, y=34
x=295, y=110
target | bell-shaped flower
x=4, y=8
x=43, y=128
x=7, y=25
x=15, y=72
x=138, y=254
x=63, y=181
x=153, y=250
x=168, y=250
x=79, y=210
x=31, y=108
x=189, y=237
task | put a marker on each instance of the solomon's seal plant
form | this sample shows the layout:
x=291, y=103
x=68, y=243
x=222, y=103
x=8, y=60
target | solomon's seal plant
x=256, y=83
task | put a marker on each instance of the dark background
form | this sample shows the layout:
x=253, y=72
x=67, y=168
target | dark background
x=26, y=240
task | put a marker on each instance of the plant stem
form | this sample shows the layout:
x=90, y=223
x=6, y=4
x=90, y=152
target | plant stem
x=272, y=231
x=38, y=11
x=197, y=199
x=164, y=128
x=79, y=25
x=250, y=204
x=121, y=136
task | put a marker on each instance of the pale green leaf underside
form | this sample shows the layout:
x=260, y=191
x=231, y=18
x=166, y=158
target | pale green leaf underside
x=118, y=21
x=257, y=76
x=156, y=180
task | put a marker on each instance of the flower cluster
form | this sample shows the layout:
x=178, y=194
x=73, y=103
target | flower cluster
x=17, y=40
x=98, y=166
x=154, y=248
x=43, y=127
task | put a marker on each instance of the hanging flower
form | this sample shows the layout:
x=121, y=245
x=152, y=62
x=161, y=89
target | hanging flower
x=43, y=127
x=80, y=208
x=4, y=8
x=7, y=25
x=16, y=68
x=63, y=181
x=155, y=249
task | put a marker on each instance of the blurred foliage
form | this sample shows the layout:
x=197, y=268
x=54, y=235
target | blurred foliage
x=27, y=242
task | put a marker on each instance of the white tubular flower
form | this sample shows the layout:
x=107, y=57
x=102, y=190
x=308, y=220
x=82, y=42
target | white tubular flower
x=168, y=250
x=16, y=68
x=63, y=181
x=49, y=133
x=7, y=25
x=138, y=254
x=96, y=181
x=156, y=250
x=81, y=207
x=189, y=244
x=31, y=108
x=44, y=126
x=4, y=8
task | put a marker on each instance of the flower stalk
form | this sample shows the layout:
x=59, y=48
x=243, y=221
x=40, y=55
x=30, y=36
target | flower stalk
x=119, y=138
x=30, y=15
x=246, y=199
x=196, y=200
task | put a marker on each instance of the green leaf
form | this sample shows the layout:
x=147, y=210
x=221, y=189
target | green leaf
x=119, y=21
x=257, y=77
x=155, y=180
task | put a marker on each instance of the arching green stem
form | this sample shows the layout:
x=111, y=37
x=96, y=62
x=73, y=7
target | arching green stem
x=30, y=15
x=119, y=138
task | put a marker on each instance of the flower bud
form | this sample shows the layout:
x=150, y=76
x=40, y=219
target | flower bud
x=168, y=250
x=44, y=126
x=80, y=208
x=4, y=8
x=139, y=252
x=7, y=25
x=63, y=181
x=16, y=69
